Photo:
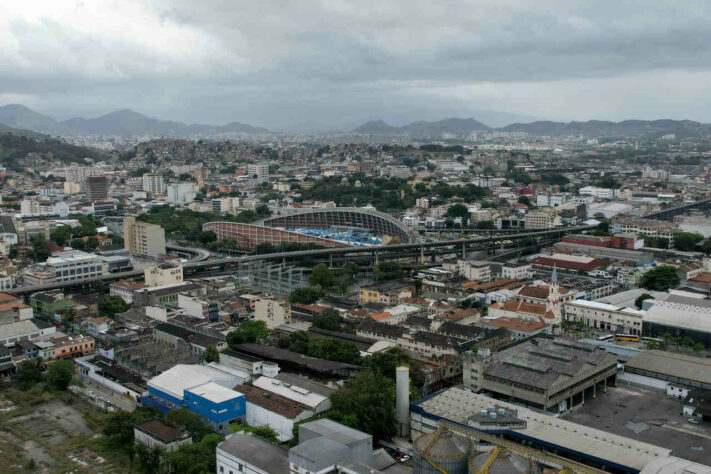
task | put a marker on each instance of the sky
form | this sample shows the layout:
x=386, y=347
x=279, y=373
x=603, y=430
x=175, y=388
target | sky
x=332, y=64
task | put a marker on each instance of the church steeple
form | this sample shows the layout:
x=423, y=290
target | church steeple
x=553, y=303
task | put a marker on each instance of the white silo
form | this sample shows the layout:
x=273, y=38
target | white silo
x=402, y=384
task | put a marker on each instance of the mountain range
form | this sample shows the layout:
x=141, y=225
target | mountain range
x=124, y=122
x=127, y=122
x=461, y=128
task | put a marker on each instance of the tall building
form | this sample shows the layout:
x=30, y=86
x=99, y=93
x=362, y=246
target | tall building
x=97, y=188
x=274, y=313
x=153, y=183
x=260, y=170
x=164, y=274
x=142, y=238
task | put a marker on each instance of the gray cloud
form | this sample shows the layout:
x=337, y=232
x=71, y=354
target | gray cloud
x=336, y=62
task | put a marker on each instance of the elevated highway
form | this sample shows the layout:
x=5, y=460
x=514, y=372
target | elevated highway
x=371, y=255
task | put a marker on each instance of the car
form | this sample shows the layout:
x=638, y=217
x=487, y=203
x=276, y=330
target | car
x=404, y=458
x=693, y=421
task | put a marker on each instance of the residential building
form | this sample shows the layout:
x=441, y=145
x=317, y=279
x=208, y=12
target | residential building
x=97, y=188
x=274, y=313
x=516, y=271
x=156, y=434
x=540, y=220
x=473, y=270
x=70, y=347
x=153, y=183
x=389, y=292
x=69, y=265
x=259, y=171
x=163, y=274
x=198, y=307
x=143, y=238
x=599, y=193
x=125, y=289
x=647, y=227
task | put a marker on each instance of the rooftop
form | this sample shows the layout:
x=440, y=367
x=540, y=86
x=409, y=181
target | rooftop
x=673, y=364
x=259, y=453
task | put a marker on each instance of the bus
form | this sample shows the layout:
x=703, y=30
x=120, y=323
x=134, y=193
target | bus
x=605, y=338
x=654, y=340
x=626, y=337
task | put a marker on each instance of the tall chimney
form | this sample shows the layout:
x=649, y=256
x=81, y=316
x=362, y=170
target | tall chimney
x=402, y=384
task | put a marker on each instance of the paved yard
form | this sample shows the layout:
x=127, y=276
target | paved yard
x=647, y=416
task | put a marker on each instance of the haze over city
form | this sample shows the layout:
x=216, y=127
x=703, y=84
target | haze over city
x=331, y=65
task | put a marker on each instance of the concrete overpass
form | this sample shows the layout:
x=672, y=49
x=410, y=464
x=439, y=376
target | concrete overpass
x=335, y=255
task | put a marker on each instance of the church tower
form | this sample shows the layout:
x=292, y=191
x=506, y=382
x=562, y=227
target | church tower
x=553, y=300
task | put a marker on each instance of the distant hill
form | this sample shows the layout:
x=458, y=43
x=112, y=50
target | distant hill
x=127, y=122
x=14, y=147
x=625, y=129
x=20, y=117
x=4, y=129
x=124, y=122
x=456, y=127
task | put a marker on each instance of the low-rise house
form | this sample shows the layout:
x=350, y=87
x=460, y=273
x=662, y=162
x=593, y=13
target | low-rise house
x=156, y=434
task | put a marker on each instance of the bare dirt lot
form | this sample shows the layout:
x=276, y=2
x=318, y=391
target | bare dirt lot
x=51, y=436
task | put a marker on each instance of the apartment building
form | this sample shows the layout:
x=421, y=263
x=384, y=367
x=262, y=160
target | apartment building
x=97, y=188
x=473, y=270
x=153, y=183
x=143, y=238
x=70, y=265
x=163, y=274
x=647, y=227
x=274, y=313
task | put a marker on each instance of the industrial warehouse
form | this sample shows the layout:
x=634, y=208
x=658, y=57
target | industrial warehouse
x=547, y=374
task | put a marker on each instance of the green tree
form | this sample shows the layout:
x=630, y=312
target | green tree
x=29, y=374
x=524, y=200
x=40, y=250
x=249, y=331
x=321, y=276
x=112, y=305
x=306, y=295
x=686, y=241
x=77, y=244
x=329, y=320
x=332, y=349
x=263, y=210
x=247, y=216
x=61, y=235
x=660, y=278
x=91, y=244
x=458, y=210
x=207, y=236
x=194, y=424
x=698, y=347
x=264, y=432
x=59, y=374
x=299, y=342
x=211, y=354
x=198, y=458
x=640, y=299
x=388, y=271
x=148, y=459
x=367, y=403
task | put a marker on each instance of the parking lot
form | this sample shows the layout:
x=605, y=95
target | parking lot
x=648, y=416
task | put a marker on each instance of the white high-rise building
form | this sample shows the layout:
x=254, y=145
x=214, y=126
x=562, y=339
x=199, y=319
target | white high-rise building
x=260, y=170
x=153, y=183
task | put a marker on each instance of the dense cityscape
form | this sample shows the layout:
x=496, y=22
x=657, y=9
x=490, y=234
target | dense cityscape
x=355, y=238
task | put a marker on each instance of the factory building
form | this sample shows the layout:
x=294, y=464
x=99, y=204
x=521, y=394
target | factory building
x=547, y=374
x=201, y=389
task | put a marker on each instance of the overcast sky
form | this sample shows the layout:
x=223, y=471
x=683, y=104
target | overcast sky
x=335, y=63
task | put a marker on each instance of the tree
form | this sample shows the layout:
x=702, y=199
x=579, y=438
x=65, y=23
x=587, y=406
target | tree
x=367, y=403
x=698, y=347
x=40, y=250
x=264, y=432
x=388, y=271
x=207, y=236
x=148, y=459
x=305, y=295
x=191, y=422
x=458, y=210
x=640, y=299
x=299, y=342
x=660, y=278
x=197, y=458
x=59, y=374
x=705, y=247
x=686, y=241
x=77, y=244
x=248, y=331
x=333, y=349
x=61, y=235
x=28, y=374
x=247, y=216
x=91, y=244
x=329, y=320
x=322, y=276
x=211, y=354
x=263, y=210
x=524, y=200
x=111, y=305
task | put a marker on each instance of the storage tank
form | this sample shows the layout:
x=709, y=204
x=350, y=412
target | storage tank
x=441, y=451
x=402, y=391
x=499, y=461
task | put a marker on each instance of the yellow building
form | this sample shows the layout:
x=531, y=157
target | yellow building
x=143, y=238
